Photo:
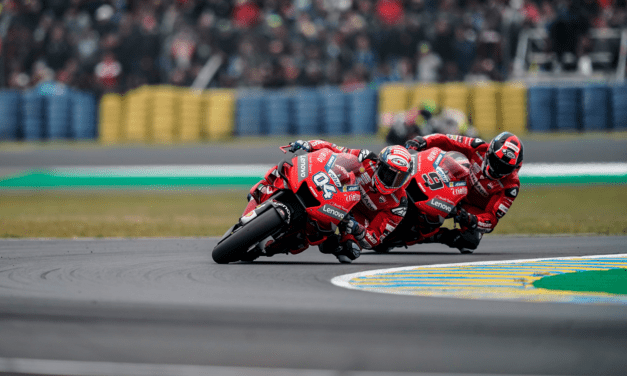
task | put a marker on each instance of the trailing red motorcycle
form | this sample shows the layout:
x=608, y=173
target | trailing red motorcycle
x=438, y=185
x=300, y=201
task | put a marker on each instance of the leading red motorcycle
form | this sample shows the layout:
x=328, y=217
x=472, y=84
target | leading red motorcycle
x=301, y=202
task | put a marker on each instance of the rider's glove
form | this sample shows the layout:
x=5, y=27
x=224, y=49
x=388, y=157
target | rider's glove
x=418, y=143
x=466, y=219
x=353, y=227
x=299, y=145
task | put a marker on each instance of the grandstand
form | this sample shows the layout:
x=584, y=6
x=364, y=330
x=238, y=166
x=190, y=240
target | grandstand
x=107, y=48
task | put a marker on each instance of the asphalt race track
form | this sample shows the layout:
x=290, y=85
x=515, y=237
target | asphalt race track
x=102, y=302
x=162, y=307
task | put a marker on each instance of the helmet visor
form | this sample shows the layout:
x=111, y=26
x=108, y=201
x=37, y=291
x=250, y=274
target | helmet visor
x=390, y=177
x=498, y=168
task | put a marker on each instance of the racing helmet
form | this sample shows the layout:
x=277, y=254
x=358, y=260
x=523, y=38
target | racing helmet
x=456, y=166
x=394, y=169
x=504, y=155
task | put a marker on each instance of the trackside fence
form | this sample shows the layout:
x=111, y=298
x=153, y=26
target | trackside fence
x=167, y=114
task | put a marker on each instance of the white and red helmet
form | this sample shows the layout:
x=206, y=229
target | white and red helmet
x=394, y=169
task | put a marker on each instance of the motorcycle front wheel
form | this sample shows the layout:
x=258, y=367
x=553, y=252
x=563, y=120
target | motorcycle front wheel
x=233, y=246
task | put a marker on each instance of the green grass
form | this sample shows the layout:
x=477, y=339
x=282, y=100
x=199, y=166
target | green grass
x=119, y=214
x=567, y=210
x=66, y=214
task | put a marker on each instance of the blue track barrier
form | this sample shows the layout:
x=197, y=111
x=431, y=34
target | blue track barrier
x=308, y=112
x=596, y=108
x=567, y=108
x=249, y=120
x=10, y=113
x=278, y=110
x=334, y=108
x=362, y=115
x=57, y=114
x=541, y=108
x=83, y=115
x=619, y=107
x=32, y=115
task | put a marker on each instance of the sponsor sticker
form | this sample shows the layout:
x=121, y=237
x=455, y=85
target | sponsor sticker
x=397, y=161
x=330, y=163
x=332, y=212
x=371, y=239
x=443, y=175
x=440, y=205
x=438, y=160
x=455, y=137
x=323, y=155
x=365, y=199
x=303, y=168
x=335, y=179
x=511, y=146
x=350, y=188
x=432, y=155
x=487, y=225
x=414, y=160
x=353, y=197
x=455, y=184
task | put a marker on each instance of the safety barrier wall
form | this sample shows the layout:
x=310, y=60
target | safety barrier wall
x=496, y=107
x=327, y=110
x=49, y=111
x=165, y=114
x=578, y=107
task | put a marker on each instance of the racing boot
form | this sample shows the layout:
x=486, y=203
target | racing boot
x=330, y=245
x=466, y=241
x=348, y=252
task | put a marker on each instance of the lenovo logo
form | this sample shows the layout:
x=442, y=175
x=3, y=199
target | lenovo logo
x=333, y=212
x=440, y=205
x=303, y=171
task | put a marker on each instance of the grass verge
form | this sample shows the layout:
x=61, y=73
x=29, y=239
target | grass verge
x=61, y=214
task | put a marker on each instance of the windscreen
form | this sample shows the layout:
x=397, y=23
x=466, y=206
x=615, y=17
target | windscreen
x=345, y=168
x=456, y=165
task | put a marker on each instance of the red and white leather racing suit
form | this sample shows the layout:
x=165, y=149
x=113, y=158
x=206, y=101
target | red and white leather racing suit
x=379, y=214
x=489, y=200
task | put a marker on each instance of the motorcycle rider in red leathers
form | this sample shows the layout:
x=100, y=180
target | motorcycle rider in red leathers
x=383, y=204
x=494, y=184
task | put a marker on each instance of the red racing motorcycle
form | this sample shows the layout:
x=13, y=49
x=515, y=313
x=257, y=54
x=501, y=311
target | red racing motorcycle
x=434, y=191
x=301, y=202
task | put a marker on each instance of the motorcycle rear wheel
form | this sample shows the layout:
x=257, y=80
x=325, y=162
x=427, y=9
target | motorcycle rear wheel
x=234, y=246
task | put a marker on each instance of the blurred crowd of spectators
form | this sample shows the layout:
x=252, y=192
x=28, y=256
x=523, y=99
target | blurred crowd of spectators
x=114, y=46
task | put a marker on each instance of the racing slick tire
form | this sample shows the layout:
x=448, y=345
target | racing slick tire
x=233, y=246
